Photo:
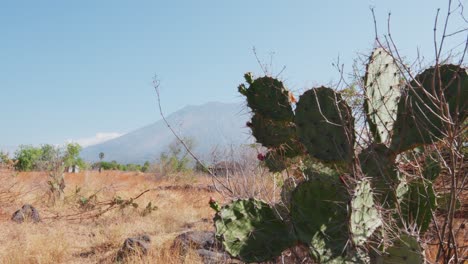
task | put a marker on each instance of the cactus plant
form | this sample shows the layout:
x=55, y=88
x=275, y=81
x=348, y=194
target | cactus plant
x=377, y=163
x=250, y=230
x=319, y=216
x=431, y=168
x=420, y=118
x=324, y=125
x=268, y=97
x=322, y=214
x=418, y=204
x=405, y=250
x=382, y=90
x=271, y=133
x=364, y=216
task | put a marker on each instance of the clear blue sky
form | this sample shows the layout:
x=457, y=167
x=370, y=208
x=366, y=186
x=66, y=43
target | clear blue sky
x=71, y=69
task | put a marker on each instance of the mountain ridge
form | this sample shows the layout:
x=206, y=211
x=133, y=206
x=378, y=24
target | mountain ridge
x=210, y=125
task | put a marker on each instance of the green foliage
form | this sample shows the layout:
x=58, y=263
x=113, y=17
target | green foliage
x=145, y=166
x=4, y=158
x=27, y=157
x=114, y=165
x=176, y=159
x=71, y=156
x=251, y=231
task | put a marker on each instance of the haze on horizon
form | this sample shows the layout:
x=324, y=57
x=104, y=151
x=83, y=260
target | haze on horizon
x=82, y=71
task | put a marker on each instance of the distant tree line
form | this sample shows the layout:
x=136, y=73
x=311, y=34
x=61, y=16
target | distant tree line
x=46, y=157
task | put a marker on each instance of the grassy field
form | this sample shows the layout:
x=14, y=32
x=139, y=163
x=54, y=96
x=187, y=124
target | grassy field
x=71, y=232
x=64, y=238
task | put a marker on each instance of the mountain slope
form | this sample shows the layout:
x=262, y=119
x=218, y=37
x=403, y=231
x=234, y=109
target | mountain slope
x=209, y=125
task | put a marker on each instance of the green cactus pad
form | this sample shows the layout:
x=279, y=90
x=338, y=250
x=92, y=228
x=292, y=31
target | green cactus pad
x=319, y=216
x=250, y=230
x=365, y=217
x=287, y=189
x=382, y=83
x=268, y=97
x=431, y=168
x=405, y=250
x=378, y=163
x=271, y=133
x=276, y=161
x=418, y=118
x=418, y=204
x=443, y=202
x=324, y=125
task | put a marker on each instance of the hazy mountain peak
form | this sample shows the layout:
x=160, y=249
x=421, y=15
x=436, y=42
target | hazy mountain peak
x=209, y=125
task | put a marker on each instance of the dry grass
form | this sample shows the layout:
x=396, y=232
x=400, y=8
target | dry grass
x=61, y=240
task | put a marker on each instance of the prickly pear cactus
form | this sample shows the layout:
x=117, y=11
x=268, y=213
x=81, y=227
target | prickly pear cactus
x=420, y=120
x=250, y=230
x=365, y=217
x=276, y=161
x=378, y=163
x=319, y=216
x=405, y=250
x=418, y=204
x=431, y=168
x=272, y=133
x=325, y=126
x=382, y=90
x=268, y=97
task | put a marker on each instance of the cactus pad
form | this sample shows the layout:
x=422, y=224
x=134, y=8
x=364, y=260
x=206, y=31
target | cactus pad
x=418, y=204
x=405, y=250
x=275, y=161
x=268, y=97
x=319, y=216
x=365, y=218
x=250, y=230
x=419, y=113
x=382, y=82
x=378, y=163
x=431, y=168
x=324, y=125
x=271, y=133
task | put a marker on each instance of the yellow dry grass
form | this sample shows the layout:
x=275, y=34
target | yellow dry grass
x=97, y=240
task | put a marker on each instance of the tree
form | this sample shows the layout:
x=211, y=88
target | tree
x=27, y=157
x=101, y=157
x=145, y=167
x=177, y=158
x=50, y=156
x=71, y=157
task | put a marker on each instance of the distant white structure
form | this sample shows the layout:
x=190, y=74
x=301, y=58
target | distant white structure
x=73, y=169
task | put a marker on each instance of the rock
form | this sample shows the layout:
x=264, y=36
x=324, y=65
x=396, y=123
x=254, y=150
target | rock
x=26, y=213
x=133, y=246
x=213, y=257
x=204, y=243
x=196, y=240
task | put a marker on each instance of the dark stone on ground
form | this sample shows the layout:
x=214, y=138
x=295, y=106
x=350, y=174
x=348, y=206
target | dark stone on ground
x=205, y=244
x=133, y=246
x=27, y=213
